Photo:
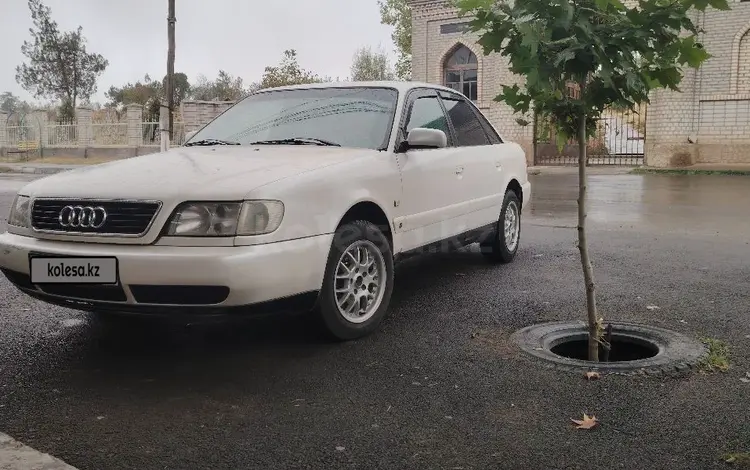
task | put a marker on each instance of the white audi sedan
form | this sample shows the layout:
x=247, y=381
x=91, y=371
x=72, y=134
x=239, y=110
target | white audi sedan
x=296, y=199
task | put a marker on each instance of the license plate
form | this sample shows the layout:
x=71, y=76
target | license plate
x=64, y=270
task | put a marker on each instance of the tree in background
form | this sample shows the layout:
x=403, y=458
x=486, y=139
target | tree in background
x=224, y=88
x=369, y=65
x=10, y=103
x=397, y=13
x=58, y=64
x=181, y=88
x=288, y=72
x=146, y=93
x=609, y=53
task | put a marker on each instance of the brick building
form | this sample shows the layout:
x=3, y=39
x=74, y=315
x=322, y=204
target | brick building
x=709, y=122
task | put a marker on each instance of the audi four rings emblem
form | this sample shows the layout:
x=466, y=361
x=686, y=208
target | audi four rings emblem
x=82, y=217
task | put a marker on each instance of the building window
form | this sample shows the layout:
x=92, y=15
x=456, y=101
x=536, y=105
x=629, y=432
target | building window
x=451, y=28
x=461, y=72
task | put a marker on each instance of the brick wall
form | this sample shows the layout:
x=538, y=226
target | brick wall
x=196, y=114
x=430, y=49
x=708, y=122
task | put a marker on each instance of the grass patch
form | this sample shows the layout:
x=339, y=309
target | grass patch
x=738, y=459
x=686, y=171
x=718, y=356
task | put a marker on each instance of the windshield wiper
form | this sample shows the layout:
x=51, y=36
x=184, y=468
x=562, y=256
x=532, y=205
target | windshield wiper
x=207, y=142
x=297, y=141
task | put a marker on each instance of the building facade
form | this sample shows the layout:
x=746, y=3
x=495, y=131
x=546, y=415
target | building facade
x=708, y=122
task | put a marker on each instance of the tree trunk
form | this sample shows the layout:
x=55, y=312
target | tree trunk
x=588, y=270
x=170, y=67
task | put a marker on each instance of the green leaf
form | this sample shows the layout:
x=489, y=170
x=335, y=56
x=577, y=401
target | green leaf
x=691, y=53
x=722, y=5
x=561, y=139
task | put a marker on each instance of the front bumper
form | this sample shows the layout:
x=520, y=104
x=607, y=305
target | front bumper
x=173, y=279
x=526, y=191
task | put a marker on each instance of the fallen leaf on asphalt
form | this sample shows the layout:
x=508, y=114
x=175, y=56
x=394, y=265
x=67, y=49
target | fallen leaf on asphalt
x=652, y=307
x=591, y=375
x=587, y=422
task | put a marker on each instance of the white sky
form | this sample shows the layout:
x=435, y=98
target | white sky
x=239, y=36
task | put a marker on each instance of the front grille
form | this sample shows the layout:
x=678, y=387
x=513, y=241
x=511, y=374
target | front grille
x=130, y=218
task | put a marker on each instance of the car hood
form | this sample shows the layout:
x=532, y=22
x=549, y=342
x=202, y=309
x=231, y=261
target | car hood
x=219, y=172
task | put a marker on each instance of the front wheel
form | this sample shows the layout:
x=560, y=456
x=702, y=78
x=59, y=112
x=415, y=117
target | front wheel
x=358, y=281
x=502, y=245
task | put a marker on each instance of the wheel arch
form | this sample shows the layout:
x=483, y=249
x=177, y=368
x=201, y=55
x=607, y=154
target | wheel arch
x=515, y=186
x=372, y=212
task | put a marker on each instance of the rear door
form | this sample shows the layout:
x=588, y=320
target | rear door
x=480, y=151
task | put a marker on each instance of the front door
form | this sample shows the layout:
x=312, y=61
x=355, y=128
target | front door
x=434, y=189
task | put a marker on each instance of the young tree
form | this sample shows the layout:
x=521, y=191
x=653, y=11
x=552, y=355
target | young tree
x=288, y=72
x=612, y=54
x=59, y=65
x=224, y=88
x=397, y=13
x=371, y=65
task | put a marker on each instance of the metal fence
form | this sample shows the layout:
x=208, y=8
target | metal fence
x=100, y=134
x=109, y=134
x=619, y=140
x=152, y=136
x=62, y=135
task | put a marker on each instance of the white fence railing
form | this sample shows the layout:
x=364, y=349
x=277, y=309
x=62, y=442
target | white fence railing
x=116, y=134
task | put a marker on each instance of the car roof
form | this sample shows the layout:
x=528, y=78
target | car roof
x=401, y=86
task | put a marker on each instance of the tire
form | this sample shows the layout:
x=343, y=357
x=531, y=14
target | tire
x=355, y=238
x=497, y=249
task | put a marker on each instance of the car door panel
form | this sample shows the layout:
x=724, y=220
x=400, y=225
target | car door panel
x=482, y=158
x=432, y=179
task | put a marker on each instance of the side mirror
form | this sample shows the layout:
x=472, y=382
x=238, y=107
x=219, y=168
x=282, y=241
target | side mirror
x=423, y=138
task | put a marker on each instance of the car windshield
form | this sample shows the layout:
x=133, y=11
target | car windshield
x=358, y=117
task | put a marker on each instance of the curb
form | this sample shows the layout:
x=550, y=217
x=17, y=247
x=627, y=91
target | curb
x=687, y=171
x=16, y=456
x=33, y=170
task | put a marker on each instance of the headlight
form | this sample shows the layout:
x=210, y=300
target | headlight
x=19, y=212
x=222, y=219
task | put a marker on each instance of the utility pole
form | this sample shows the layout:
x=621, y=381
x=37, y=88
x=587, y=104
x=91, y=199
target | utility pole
x=171, y=20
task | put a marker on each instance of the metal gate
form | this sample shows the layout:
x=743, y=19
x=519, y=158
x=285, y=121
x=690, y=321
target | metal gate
x=620, y=139
x=23, y=137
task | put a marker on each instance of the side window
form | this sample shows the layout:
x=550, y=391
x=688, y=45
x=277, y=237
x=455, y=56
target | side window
x=469, y=131
x=491, y=132
x=427, y=112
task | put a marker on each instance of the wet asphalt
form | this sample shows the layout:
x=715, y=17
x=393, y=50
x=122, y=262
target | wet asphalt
x=439, y=386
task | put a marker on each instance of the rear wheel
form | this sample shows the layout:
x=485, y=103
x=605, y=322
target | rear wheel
x=358, y=281
x=502, y=244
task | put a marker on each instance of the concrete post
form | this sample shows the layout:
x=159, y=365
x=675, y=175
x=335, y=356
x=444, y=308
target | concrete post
x=164, y=127
x=40, y=120
x=3, y=133
x=134, y=118
x=83, y=123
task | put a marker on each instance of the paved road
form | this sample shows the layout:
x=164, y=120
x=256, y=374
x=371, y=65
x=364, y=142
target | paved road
x=440, y=386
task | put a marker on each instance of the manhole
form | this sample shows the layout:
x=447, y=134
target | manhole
x=635, y=348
